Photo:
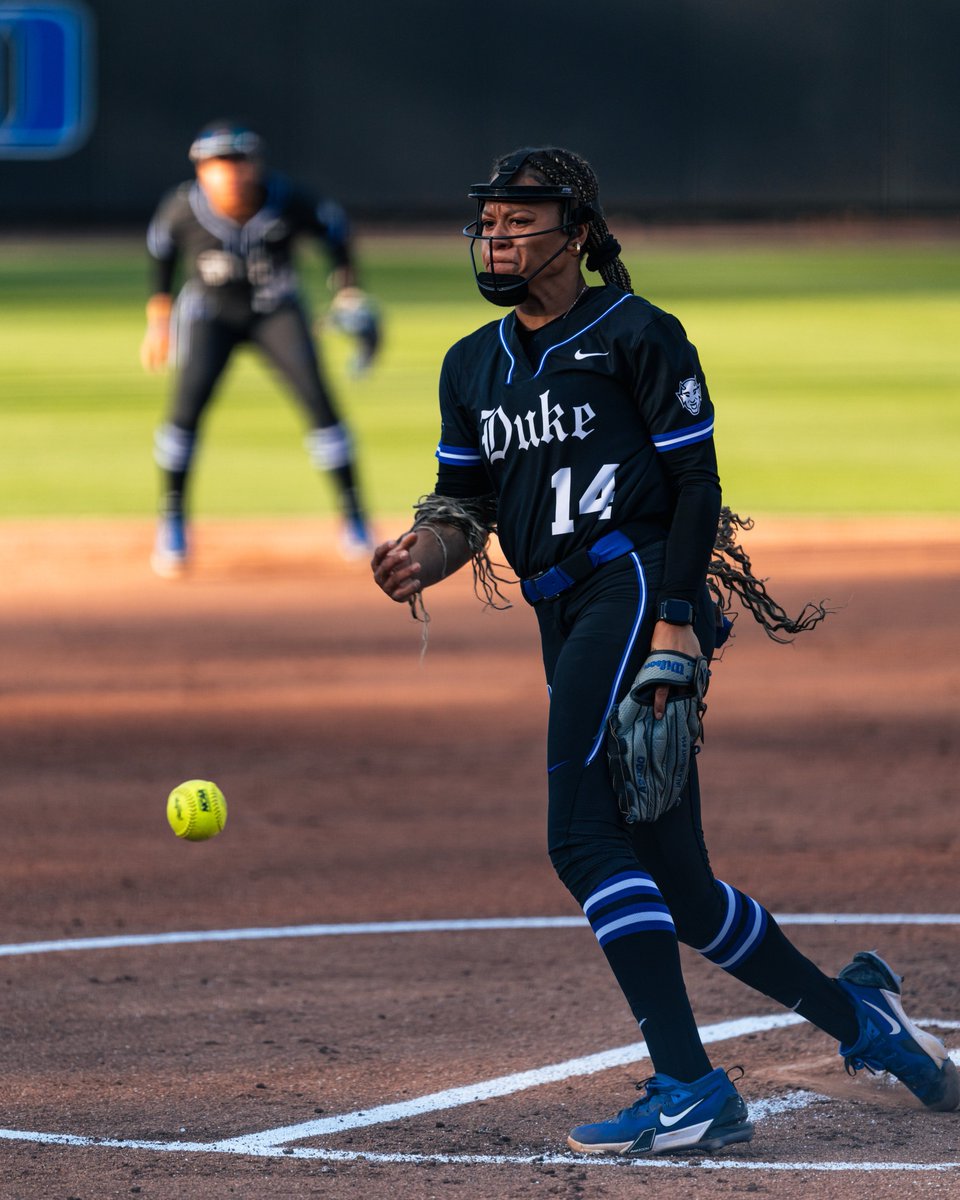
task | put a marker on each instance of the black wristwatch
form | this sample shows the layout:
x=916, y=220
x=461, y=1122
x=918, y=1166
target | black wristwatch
x=676, y=612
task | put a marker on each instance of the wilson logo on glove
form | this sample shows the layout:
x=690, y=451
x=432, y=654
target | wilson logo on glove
x=665, y=665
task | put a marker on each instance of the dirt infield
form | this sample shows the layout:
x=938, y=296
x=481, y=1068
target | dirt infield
x=366, y=786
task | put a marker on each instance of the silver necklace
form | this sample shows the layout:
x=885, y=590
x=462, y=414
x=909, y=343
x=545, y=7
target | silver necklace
x=583, y=289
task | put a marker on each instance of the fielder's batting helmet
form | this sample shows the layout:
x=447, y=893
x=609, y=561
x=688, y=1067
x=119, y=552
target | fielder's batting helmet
x=225, y=139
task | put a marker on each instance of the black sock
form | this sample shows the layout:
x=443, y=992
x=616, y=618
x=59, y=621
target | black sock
x=637, y=934
x=647, y=968
x=751, y=947
x=778, y=970
x=173, y=491
x=345, y=477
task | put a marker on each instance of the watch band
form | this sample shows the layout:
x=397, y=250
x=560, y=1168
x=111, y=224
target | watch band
x=676, y=612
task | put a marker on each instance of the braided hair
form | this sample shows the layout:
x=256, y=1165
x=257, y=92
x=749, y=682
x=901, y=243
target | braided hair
x=730, y=576
x=563, y=168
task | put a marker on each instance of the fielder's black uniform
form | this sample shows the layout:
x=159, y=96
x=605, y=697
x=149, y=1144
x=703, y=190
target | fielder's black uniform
x=596, y=435
x=241, y=286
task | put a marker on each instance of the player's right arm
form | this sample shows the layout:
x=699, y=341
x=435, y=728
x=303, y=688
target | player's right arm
x=404, y=566
x=155, y=347
x=163, y=247
x=435, y=547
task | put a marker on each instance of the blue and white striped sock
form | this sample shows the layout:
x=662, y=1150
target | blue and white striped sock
x=742, y=931
x=627, y=903
x=173, y=448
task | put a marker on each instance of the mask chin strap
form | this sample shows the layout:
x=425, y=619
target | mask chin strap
x=509, y=290
x=506, y=291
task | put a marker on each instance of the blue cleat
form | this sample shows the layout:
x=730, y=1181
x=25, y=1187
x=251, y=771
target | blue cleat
x=169, y=558
x=704, y=1115
x=889, y=1040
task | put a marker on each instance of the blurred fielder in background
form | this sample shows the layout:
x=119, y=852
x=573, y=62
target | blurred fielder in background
x=234, y=228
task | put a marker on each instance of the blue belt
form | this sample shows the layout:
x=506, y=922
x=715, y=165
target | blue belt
x=578, y=566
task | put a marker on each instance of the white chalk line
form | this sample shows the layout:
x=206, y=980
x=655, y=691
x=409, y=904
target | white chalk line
x=477, y=1160
x=464, y=925
x=272, y=1143
x=474, y=1160
x=503, y=1085
x=275, y=1143
x=507, y=1085
x=759, y=1110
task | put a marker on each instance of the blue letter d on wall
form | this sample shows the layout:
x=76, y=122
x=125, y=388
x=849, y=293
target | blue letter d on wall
x=46, y=79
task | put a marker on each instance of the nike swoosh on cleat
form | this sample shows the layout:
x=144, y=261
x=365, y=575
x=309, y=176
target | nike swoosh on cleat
x=668, y=1121
x=895, y=1027
x=579, y=354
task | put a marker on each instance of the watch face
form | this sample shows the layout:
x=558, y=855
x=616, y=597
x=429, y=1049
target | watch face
x=677, y=612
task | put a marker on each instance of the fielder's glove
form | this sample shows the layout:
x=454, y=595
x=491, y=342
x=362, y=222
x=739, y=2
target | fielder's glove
x=353, y=312
x=650, y=759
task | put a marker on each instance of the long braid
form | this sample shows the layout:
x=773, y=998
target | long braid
x=566, y=169
x=730, y=575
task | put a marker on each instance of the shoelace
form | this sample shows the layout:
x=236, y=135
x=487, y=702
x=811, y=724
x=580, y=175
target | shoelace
x=651, y=1086
x=655, y=1085
x=904, y=1067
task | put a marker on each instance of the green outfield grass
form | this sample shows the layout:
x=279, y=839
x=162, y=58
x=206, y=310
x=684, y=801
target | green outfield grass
x=835, y=369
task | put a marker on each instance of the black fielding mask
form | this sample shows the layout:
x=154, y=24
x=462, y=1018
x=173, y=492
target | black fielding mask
x=506, y=291
x=503, y=290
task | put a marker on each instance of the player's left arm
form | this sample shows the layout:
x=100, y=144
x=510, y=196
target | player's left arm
x=351, y=311
x=675, y=403
x=329, y=223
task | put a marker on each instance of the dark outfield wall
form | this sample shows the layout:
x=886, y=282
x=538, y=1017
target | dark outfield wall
x=686, y=107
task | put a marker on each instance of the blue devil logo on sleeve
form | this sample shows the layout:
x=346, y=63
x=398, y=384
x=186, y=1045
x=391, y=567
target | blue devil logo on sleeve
x=689, y=395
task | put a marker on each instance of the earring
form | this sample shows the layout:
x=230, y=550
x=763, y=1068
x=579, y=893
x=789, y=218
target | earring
x=576, y=247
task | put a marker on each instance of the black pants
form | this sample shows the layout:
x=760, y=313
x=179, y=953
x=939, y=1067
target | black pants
x=646, y=886
x=595, y=639
x=205, y=339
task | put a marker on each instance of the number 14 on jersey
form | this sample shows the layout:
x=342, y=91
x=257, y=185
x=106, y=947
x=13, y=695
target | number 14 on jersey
x=597, y=497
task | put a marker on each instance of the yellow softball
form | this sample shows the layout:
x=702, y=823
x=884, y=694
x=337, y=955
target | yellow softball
x=196, y=810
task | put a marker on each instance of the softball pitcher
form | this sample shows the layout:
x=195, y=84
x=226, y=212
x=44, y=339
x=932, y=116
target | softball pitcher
x=580, y=427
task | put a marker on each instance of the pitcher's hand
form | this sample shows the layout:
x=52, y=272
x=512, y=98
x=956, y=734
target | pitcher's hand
x=395, y=571
x=680, y=638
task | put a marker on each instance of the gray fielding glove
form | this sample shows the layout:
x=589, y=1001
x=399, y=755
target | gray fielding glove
x=354, y=313
x=650, y=759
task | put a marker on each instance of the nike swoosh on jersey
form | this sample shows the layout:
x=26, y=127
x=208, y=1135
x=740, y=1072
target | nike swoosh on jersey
x=894, y=1025
x=668, y=1121
x=579, y=354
